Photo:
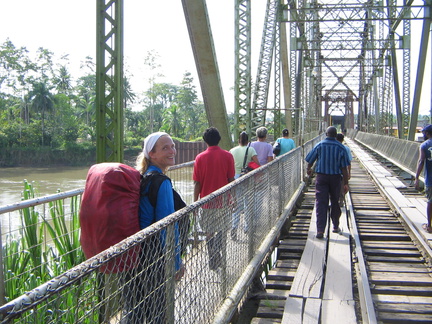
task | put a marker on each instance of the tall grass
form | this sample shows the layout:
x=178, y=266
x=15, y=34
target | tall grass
x=44, y=248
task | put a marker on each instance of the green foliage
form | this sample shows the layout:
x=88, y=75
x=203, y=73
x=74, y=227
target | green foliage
x=42, y=106
x=29, y=261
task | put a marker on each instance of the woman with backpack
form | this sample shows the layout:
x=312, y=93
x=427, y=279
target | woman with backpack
x=157, y=201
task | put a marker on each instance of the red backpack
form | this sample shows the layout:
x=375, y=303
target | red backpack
x=109, y=212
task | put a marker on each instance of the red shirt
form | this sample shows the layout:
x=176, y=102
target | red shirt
x=212, y=169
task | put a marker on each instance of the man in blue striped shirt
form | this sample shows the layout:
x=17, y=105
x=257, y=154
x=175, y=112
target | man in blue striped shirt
x=331, y=161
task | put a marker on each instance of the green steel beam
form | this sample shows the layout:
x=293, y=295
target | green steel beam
x=261, y=86
x=420, y=70
x=201, y=39
x=109, y=81
x=242, y=82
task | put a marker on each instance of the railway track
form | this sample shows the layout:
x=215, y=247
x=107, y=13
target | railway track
x=398, y=288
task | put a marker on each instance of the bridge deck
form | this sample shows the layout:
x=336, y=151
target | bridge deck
x=323, y=278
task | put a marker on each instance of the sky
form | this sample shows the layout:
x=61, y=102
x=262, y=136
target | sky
x=69, y=27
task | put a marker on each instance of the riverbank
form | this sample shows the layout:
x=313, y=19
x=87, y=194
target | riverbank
x=47, y=157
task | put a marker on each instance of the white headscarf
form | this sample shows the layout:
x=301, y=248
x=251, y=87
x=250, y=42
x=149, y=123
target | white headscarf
x=150, y=142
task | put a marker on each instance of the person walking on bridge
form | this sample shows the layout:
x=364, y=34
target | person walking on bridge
x=425, y=161
x=286, y=144
x=331, y=160
x=263, y=149
x=213, y=169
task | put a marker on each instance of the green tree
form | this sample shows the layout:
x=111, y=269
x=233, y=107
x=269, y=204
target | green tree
x=192, y=110
x=172, y=122
x=150, y=62
x=128, y=94
x=15, y=66
x=63, y=80
x=42, y=102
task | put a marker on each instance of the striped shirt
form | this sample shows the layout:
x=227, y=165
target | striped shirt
x=330, y=156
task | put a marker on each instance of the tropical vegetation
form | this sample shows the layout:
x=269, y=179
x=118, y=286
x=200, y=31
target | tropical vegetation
x=43, y=108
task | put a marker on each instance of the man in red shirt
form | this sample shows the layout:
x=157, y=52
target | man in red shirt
x=213, y=169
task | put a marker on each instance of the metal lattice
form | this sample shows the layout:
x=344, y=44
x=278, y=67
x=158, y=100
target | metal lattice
x=109, y=81
x=242, y=66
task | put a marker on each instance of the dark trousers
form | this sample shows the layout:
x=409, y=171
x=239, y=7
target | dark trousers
x=327, y=186
x=144, y=291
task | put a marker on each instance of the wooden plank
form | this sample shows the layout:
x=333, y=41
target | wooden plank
x=398, y=197
x=420, y=204
x=311, y=313
x=339, y=265
x=388, y=278
x=403, y=299
x=293, y=311
x=271, y=308
x=396, y=267
x=423, y=308
x=405, y=317
x=396, y=182
x=416, y=217
x=402, y=290
x=310, y=273
x=334, y=312
x=280, y=274
x=338, y=304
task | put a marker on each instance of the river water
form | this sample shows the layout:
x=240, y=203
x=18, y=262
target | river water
x=47, y=181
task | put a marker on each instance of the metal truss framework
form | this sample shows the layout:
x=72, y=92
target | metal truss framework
x=109, y=81
x=346, y=51
x=344, y=55
x=341, y=52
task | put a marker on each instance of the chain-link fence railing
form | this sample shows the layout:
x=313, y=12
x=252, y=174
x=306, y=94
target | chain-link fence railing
x=179, y=270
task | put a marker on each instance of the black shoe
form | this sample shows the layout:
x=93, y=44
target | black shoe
x=337, y=230
x=320, y=235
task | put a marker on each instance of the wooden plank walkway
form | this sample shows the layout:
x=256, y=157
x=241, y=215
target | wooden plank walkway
x=323, y=280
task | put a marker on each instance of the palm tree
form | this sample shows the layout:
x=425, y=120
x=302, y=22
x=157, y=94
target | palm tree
x=85, y=105
x=42, y=101
x=63, y=80
x=172, y=120
x=128, y=94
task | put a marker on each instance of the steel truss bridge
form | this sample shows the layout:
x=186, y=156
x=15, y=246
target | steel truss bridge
x=323, y=62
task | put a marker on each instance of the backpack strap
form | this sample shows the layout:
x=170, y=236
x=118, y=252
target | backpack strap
x=245, y=158
x=155, y=179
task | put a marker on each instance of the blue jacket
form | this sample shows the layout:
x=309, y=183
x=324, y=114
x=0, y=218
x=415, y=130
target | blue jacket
x=164, y=207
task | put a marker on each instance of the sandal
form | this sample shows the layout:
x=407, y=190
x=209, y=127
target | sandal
x=427, y=228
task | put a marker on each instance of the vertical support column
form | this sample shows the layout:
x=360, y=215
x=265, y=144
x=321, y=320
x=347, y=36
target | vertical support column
x=420, y=70
x=242, y=82
x=286, y=80
x=406, y=74
x=109, y=81
x=277, y=117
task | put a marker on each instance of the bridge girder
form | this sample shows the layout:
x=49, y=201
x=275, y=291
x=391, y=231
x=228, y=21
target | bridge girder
x=109, y=81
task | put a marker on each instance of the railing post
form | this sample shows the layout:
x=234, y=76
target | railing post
x=2, y=283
